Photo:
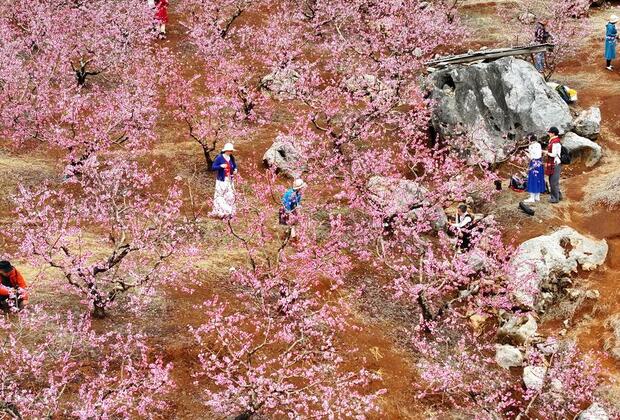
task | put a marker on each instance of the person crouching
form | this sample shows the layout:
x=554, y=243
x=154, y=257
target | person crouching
x=13, y=293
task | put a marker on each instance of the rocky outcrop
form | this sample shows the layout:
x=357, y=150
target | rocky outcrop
x=285, y=155
x=588, y=123
x=484, y=109
x=395, y=196
x=508, y=356
x=594, y=412
x=280, y=83
x=547, y=258
x=577, y=144
x=612, y=343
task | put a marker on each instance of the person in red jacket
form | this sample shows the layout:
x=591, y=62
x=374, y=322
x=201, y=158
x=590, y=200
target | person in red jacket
x=12, y=287
x=161, y=14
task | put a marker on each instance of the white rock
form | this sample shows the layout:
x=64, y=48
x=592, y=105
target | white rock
x=588, y=123
x=285, y=155
x=280, y=83
x=545, y=257
x=556, y=385
x=593, y=294
x=519, y=329
x=534, y=377
x=548, y=347
x=576, y=144
x=396, y=196
x=372, y=86
x=594, y=412
x=508, y=356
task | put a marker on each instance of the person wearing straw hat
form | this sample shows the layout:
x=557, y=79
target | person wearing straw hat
x=611, y=38
x=291, y=201
x=224, y=196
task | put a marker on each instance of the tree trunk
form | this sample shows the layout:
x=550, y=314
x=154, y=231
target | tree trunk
x=98, y=310
x=207, y=152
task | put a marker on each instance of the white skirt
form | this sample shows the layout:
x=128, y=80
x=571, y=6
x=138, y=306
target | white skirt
x=224, y=198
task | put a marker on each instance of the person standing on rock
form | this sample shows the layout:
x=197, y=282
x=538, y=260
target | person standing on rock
x=224, y=196
x=611, y=38
x=536, y=171
x=541, y=36
x=553, y=166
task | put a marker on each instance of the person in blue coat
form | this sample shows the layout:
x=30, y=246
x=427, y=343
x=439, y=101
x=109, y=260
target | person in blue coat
x=291, y=201
x=224, y=196
x=611, y=38
x=536, y=171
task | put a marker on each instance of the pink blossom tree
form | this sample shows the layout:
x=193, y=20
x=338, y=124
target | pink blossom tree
x=44, y=357
x=107, y=233
x=83, y=87
x=290, y=362
x=277, y=369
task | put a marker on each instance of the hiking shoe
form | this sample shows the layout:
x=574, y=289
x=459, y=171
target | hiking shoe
x=610, y=68
x=554, y=201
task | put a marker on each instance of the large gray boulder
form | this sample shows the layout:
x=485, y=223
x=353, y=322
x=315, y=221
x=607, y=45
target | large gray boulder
x=484, y=109
x=549, y=257
x=577, y=144
x=396, y=196
x=285, y=156
x=588, y=123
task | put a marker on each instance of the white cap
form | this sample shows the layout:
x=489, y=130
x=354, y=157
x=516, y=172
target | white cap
x=613, y=18
x=228, y=147
x=298, y=184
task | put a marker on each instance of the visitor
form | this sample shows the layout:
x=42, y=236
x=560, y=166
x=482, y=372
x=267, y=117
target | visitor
x=553, y=166
x=536, y=171
x=611, y=37
x=541, y=36
x=291, y=201
x=224, y=196
x=13, y=293
x=161, y=15
x=463, y=227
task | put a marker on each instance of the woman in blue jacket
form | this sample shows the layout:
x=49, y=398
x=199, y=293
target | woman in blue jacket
x=611, y=37
x=224, y=196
